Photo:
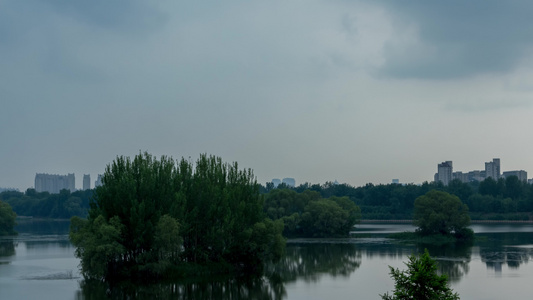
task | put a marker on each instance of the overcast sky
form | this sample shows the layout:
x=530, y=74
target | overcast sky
x=353, y=91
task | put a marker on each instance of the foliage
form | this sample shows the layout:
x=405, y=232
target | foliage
x=98, y=245
x=420, y=281
x=45, y=205
x=7, y=219
x=164, y=215
x=438, y=212
x=308, y=214
x=509, y=198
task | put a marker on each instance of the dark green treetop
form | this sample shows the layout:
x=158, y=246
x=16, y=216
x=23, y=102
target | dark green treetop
x=438, y=212
x=420, y=281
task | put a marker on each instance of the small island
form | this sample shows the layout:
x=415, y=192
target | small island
x=440, y=218
x=158, y=219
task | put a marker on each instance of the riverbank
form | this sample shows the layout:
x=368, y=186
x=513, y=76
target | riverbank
x=472, y=221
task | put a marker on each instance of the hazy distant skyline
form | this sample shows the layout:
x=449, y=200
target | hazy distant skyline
x=353, y=91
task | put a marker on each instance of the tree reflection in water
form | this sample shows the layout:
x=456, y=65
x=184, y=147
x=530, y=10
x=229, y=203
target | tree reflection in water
x=506, y=248
x=7, y=248
x=307, y=260
x=453, y=259
x=252, y=288
x=311, y=260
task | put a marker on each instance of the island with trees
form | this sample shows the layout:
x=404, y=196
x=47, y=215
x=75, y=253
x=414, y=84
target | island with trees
x=160, y=218
x=440, y=218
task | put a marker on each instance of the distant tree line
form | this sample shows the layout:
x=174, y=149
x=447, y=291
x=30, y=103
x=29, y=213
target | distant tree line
x=45, y=205
x=308, y=214
x=502, y=199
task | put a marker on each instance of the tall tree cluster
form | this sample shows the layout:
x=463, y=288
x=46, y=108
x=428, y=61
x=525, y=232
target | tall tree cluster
x=155, y=217
x=7, y=219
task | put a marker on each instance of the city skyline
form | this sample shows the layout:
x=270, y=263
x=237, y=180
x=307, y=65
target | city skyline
x=356, y=91
x=519, y=172
x=492, y=169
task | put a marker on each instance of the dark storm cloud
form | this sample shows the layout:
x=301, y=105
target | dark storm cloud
x=20, y=19
x=457, y=38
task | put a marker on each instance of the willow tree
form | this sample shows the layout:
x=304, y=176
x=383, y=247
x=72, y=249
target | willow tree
x=152, y=217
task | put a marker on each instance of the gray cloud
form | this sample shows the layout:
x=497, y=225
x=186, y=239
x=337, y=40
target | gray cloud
x=289, y=88
x=457, y=38
x=123, y=15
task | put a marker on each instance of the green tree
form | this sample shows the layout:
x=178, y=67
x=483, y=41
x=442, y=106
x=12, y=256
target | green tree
x=98, y=245
x=513, y=187
x=438, y=212
x=167, y=238
x=334, y=216
x=324, y=218
x=308, y=214
x=7, y=219
x=420, y=281
x=489, y=186
x=162, y=215
x=460, y=189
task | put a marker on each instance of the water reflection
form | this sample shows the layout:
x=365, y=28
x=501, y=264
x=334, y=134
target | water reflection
x=511, y=249
x=304, y=260
x=42, y=227
x=513, y=257
x=310, y=260
x=453, y=259
x=387, y=251
x=254, y=288
x=314, y=269
x=7, y=248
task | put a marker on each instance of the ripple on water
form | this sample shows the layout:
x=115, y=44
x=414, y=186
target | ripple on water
x=52, y=276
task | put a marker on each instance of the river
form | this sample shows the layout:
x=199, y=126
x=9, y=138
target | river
x=39, y=263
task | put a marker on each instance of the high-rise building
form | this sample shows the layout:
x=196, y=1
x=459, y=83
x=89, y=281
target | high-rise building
x=54, y=183
x=98, y=181
x=86, y=182
x=276, y=182
x=444, y=172
x=460, y=175
x=522, y=175
x=289, y=182
x=476, y=175
x=492, y=169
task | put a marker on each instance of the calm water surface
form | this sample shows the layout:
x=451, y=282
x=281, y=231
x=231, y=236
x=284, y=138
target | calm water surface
x=40, y=264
